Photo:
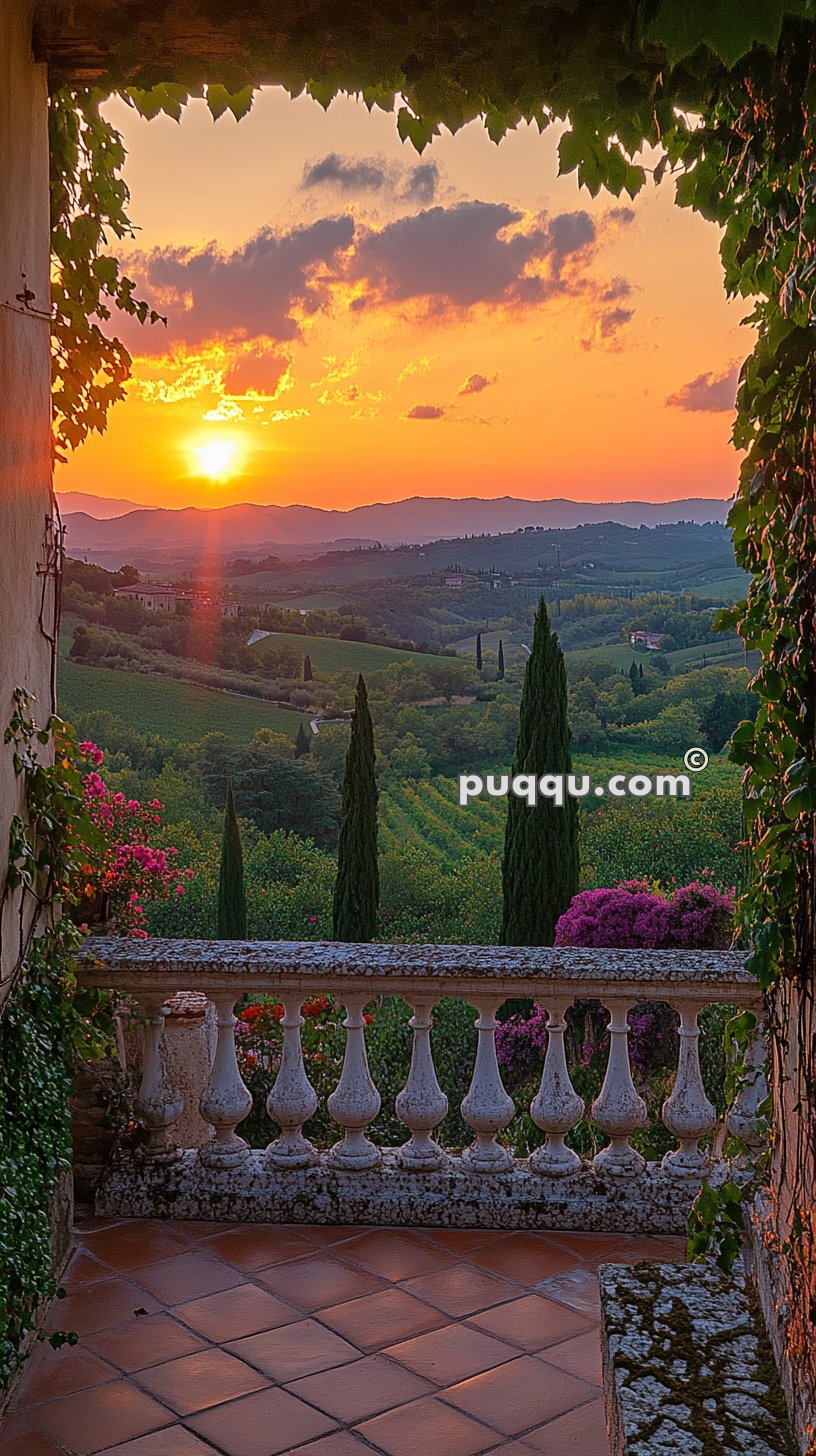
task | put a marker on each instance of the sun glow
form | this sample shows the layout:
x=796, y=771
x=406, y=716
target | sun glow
x=218, y=459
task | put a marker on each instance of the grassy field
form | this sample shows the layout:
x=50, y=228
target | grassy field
x=180, y=711
x=725, y=653
x=331, y=654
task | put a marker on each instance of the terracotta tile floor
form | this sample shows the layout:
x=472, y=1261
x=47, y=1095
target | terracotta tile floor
x=197, y=1339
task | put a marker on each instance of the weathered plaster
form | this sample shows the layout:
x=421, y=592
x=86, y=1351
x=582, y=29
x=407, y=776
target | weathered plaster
x=688, y=1370
x=25, y=404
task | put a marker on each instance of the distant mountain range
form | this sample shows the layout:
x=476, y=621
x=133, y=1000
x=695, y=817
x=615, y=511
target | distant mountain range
x=100, y=506
x=258, y=530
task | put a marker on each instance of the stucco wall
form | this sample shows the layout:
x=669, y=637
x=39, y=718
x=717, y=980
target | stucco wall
x=25, y=462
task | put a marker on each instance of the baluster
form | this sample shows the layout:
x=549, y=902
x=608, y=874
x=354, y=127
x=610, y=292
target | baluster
x=158, y=1103
x=421, y=1104
x=487, y=1108
x=225, y=1101
x=292, y=1100
x=618, y=1109
x=687, y=1112
x=744, y=1120
x=355, y=1101
x=556, y=1107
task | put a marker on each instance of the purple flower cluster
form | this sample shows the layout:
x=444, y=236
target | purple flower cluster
x=633, y=916
x=520, y=1046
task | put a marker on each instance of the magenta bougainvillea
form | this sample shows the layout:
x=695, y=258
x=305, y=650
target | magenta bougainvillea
x=632, y=915
x=128, y=870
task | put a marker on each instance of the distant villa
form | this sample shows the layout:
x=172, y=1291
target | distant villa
x=167, y=599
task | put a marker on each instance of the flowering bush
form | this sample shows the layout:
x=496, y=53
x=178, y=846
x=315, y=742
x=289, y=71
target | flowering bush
x=123, y=870
x=258, y=1041
x=633, y=915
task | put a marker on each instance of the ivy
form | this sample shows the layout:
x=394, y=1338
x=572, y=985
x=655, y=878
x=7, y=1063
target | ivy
x=46, y=1017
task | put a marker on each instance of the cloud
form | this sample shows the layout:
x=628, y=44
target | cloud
x=262, y=289
x=468, y=254
x=606, y=327
x=347, y=174
x=708, y=393
x=422, y=183
x=226, y=409
x=372, y=174
x=475, y=383
x=425, y=412
x=258, y=372
x=414, y=366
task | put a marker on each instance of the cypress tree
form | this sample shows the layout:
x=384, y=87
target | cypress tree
x=478, y=651
x=232, y=918
x=540, y=865
x=500, y=673
x=633, y=676
x=640, y=672
x=357, y=887
x=302, y=743
x=308, y=674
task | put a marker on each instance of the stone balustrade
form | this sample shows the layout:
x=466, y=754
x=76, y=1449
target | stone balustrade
x=419, y=1182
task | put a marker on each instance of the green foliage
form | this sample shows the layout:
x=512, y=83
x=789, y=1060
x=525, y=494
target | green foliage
x=35, y=1088
x=540, y=864
x=232, y=911
x=357, y=889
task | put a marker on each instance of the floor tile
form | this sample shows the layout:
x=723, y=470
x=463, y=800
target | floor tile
x=339, y=1443
x=381, y=1319
x=462, y=1240
x=244, y=1310
x=99, y=1305
x=322, y=1234
x=527, y=1258
x=395, y=1255
x=83, y=1269
x=427, y=1426
x=88, y=1421
x=298, y=1349
x=580, y=1433
x=132, y=1244
x=580, y=1356
x=144, y=1342
x=19, y=1438
x=461, y=1289
x=532, y=1322
x=172, y=1441
x=515, y=1397
x=314, y=1283
x=451, y=1354
x=49, y=1373
x=365, y=1388
x=201, y=1228
x=575, y=1287
x=185, y=1277
x=266, y=1424
x=196, y=1382
x=256, y=1246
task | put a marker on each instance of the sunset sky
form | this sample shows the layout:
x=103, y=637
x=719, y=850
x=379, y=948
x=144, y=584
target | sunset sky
x=349, y=322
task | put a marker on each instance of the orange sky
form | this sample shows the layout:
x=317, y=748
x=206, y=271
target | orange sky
x=349, y=322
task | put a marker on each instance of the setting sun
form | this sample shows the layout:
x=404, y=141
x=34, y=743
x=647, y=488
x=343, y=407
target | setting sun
x=217, y=459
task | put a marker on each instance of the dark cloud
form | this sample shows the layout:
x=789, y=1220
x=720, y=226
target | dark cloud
x=259, y=289
x=455, y=256
x=346, y=173
x=708, y=393
x=373, y=174
x=475, y=383
x=421, y=183
x=425, y=412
